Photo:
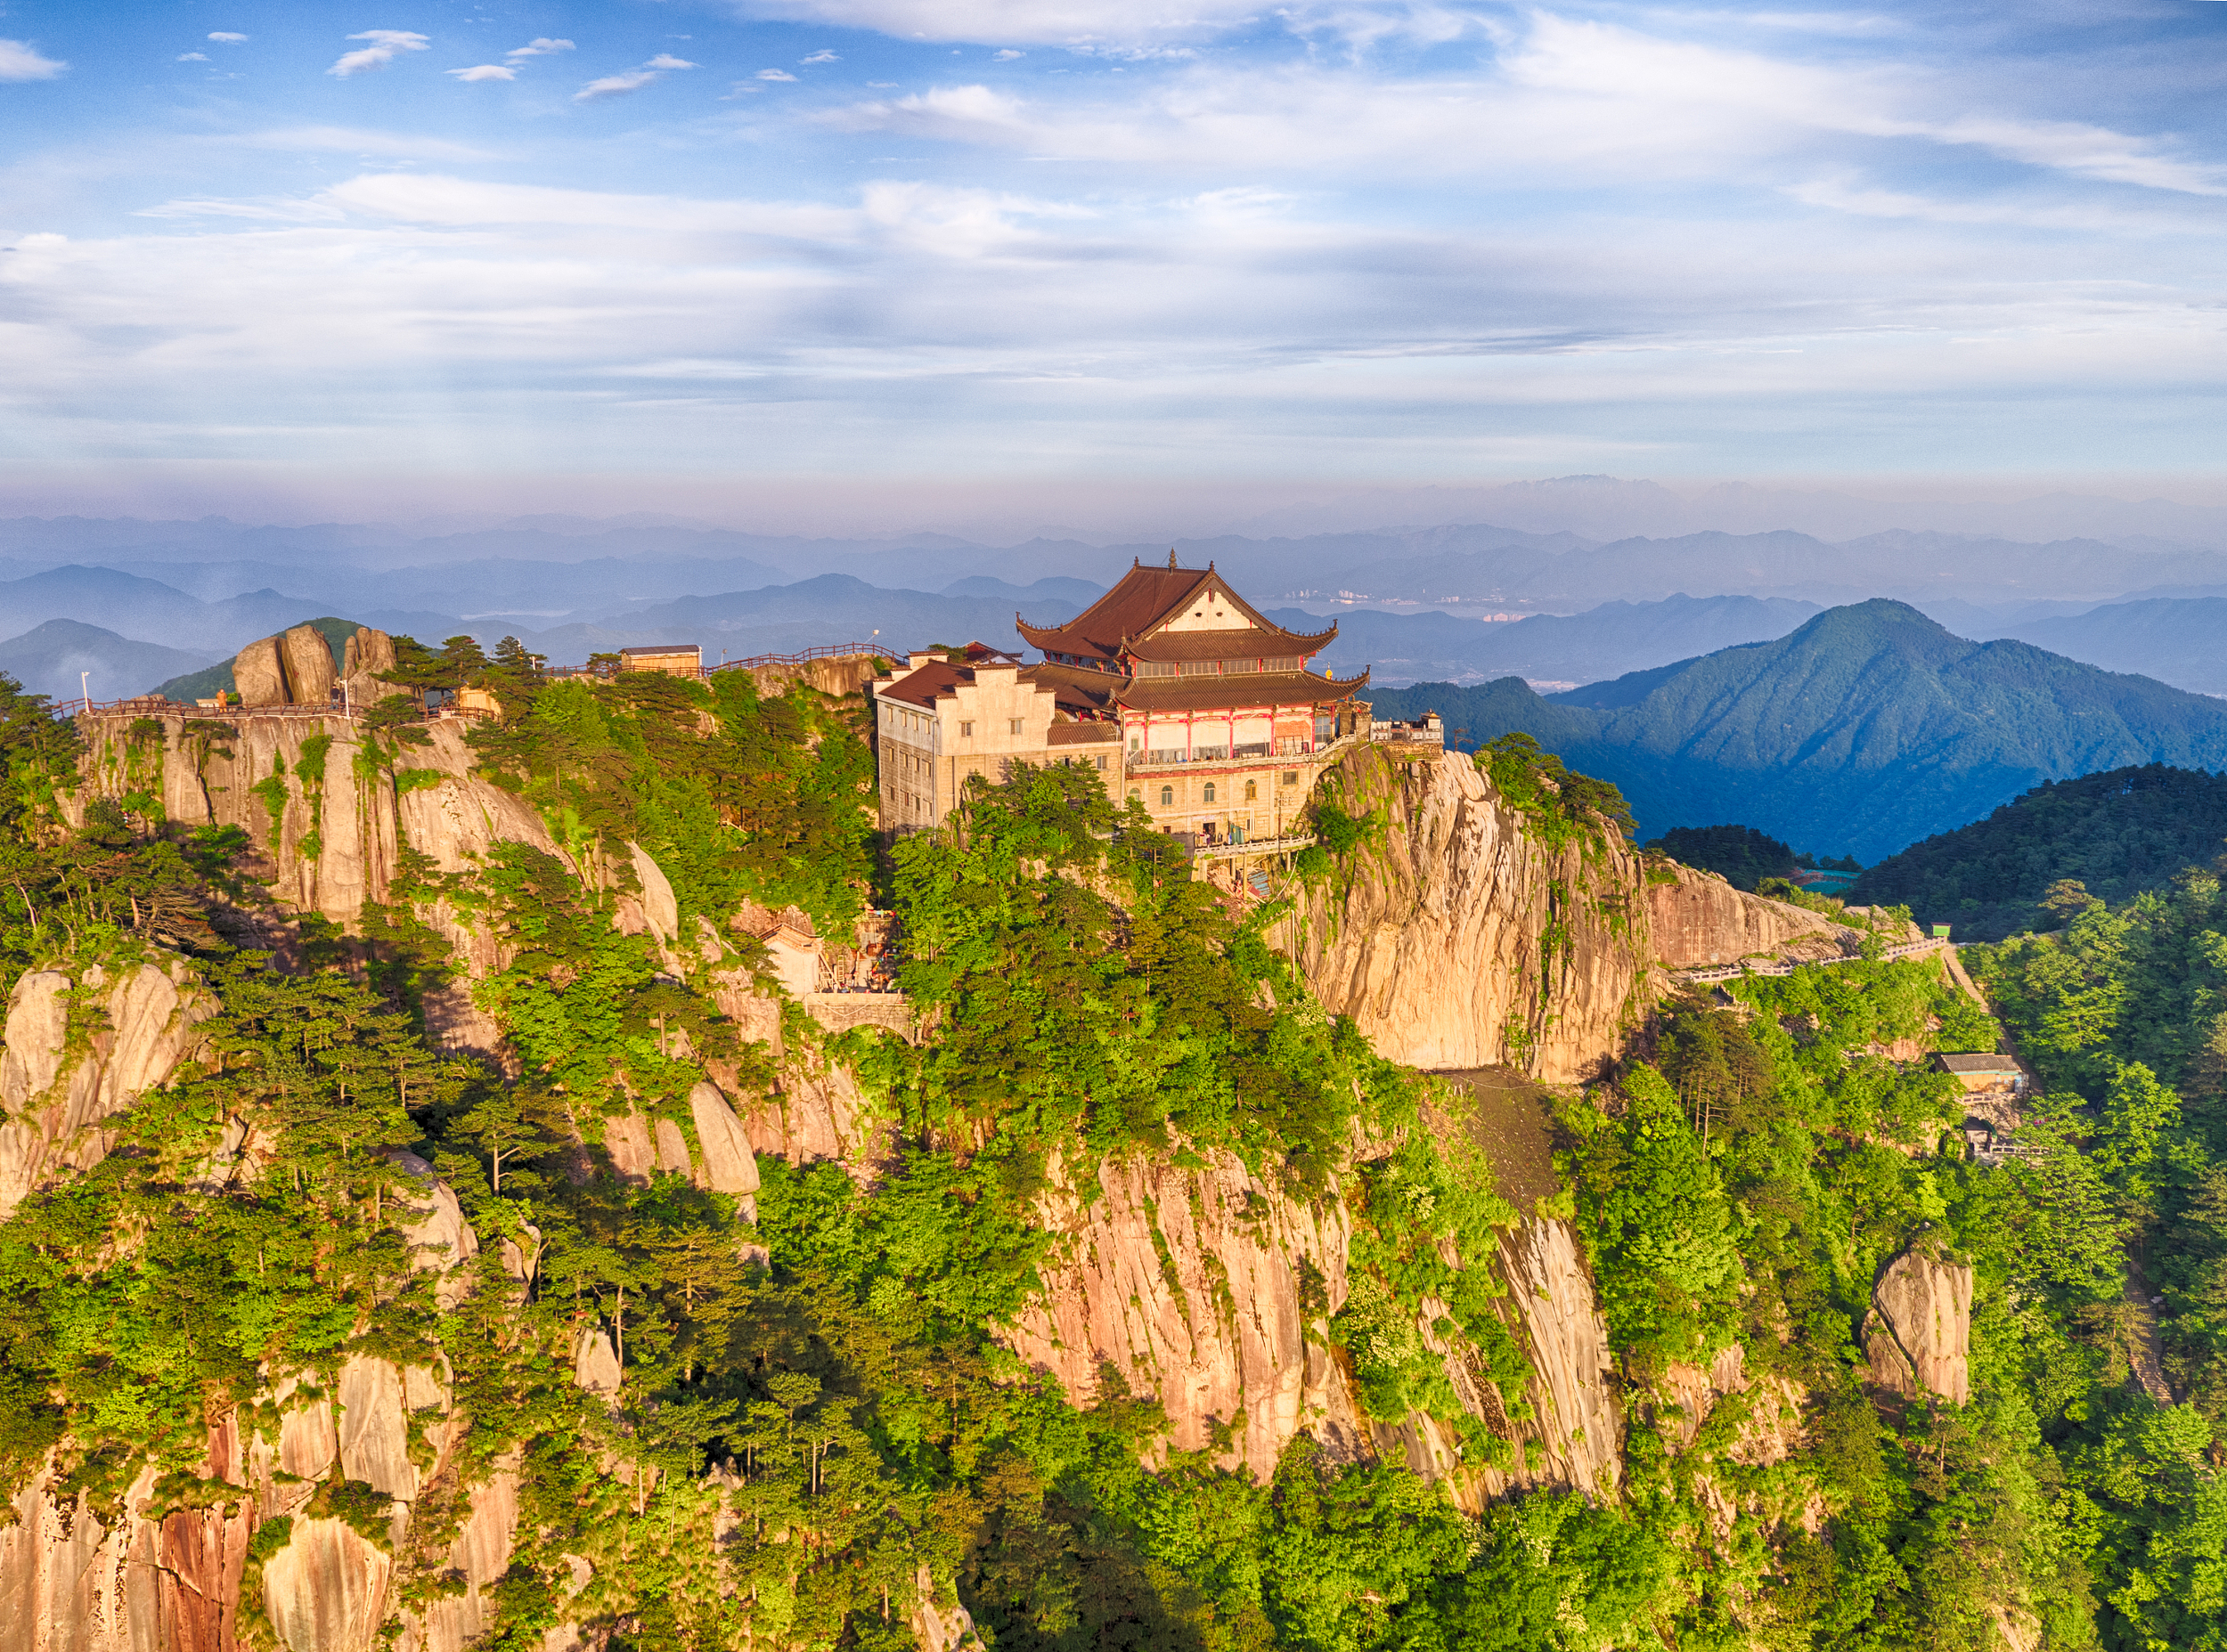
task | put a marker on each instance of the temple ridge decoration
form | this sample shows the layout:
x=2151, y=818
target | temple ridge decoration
x=1180, y=692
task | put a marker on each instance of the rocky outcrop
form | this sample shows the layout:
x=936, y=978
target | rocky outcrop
x=140, y=1027
x=1918, y=1334
x=1701, y=919
x=1456, y=938
x=1577, y=1436
x=258, y=671
x=1200, y=1286
x=294, y=668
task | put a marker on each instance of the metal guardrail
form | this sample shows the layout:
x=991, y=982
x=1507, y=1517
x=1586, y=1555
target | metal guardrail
x=1252, y=846
x=825, y=651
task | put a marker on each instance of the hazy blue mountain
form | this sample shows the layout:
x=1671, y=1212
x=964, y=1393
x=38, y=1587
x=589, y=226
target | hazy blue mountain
x=48, y=658
x=2117, y=832
x=1868, y=729
x=1605, y=641
x=2182, y=641
x=837, y=608
x=1049, y=589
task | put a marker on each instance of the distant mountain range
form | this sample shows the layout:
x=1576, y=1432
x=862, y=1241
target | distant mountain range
x=1869, y=728
x=2117, y=834
x=1606, y=641
x=49, y=659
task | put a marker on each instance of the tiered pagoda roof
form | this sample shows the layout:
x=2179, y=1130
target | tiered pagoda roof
x=1178, y=640
x=1140, y=620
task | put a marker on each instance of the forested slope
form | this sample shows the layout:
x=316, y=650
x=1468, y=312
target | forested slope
x=431, y=1221
x=2115, y=835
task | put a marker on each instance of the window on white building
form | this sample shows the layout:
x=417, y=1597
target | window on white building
x=1167, y=797
x=966, y=731
x=1210, y=790
x=1013, y=725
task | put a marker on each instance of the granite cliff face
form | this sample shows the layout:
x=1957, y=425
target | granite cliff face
x=1458, y=939
x=78, y=1052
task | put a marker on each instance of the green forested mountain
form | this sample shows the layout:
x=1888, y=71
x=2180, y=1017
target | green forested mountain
x=797, y=1413
x=2115, y=834
x=1868, y=729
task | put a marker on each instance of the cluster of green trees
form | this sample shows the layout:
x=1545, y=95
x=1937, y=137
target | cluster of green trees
x=795, y=1436
x=1742, y=855
x=2115, y=834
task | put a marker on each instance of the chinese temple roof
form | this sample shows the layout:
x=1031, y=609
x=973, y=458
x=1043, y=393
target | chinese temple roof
x=1144, y=617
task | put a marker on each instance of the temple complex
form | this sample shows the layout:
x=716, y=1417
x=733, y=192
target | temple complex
x=1172, y=685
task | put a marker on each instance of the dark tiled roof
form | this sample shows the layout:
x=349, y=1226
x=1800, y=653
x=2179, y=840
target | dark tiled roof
x=1977, y=1064
x=1075, y=692
x=1085, y=734
x=931, y=682
x=1145, y=597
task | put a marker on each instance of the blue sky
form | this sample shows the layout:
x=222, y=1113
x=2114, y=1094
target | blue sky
x=873, y=249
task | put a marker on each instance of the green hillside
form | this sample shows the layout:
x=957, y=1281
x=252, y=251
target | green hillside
x=2117, y=834
x=207, y=683
x=1866, y=730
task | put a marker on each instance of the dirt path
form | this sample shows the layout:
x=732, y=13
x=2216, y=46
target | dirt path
x=2146, y=1350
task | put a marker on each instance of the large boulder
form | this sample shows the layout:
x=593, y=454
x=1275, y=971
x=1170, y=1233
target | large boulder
x=309, y=674
x=1918, y=1336
x=365, y=667
x=259, y=673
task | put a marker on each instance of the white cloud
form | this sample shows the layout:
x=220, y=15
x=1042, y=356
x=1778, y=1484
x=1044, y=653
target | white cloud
x=541, y=46
x=20, y=62
x=616, y=86
x=1567, y=99
x=482, y=71
x=1038, y=22
x=632, y=81
x=227, y=37
x=820, y=57
x=417, y=198
x=192, y=57
x=387, y=45
x=775, y=74
x=1006, y=56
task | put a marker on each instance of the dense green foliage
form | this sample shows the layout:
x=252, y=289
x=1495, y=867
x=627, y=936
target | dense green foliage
x=1744, y=856
x=736, y=795
x=2116, y=835
x=1864, y=730
x=815, y=1399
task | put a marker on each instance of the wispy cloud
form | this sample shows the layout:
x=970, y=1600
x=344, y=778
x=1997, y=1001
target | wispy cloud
x=1007, y=55
x=192, y=57
x=482, y=71
x=820, y=57
x=227, y=37
x=21, y=60
x=631, y=80
x=387, y=45
x=540, y=46
x=775, y=74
